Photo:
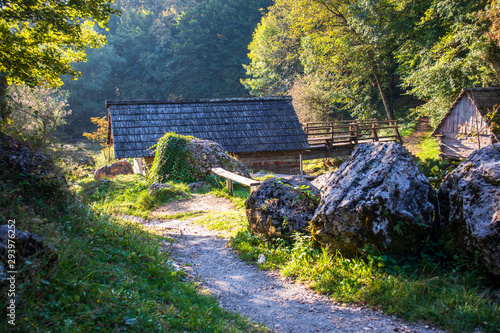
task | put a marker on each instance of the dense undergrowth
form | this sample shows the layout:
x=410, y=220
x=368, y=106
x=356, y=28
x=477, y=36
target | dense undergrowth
x=111, y=274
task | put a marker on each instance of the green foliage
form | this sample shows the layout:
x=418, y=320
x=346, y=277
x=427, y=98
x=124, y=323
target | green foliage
x=127, y=194
x=37, y=113
x=453, y=298
x=165, y=49
x=41, y=40
x=342, y=49
x=210, y=46
x=170, y=161
x=448, y=50
x=359, y=56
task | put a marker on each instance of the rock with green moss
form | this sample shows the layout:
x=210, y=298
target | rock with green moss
x=281, y=206
x=378, y=197
x=188, y=159
x=469, y=201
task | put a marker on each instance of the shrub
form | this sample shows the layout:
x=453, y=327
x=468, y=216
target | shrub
x=170, y=161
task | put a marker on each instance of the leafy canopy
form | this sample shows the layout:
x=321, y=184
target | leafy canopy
x=40, y=39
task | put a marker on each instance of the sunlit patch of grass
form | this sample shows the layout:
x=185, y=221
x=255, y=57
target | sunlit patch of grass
x=240, y=194
x=453, y=300
x=230, y=223
x=128, y=194
x=428, y=149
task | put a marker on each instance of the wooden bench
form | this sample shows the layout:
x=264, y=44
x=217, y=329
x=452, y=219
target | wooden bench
x=230, y=177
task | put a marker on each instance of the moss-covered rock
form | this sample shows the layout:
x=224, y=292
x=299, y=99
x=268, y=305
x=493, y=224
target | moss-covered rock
x=378, y=197
x=188, y=159
x=280, y=206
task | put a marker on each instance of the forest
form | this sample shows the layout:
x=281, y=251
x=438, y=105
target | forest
x=339, y=59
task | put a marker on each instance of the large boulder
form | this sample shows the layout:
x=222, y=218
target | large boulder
x=119, y=168
x=205, y=154
x=469, y=201
x=280, y=206
x=377, y=197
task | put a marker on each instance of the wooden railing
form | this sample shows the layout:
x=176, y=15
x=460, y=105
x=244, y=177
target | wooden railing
x=337, y=134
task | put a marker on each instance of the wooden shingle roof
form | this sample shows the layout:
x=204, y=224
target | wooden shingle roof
x=485, y=100
x=238, y=124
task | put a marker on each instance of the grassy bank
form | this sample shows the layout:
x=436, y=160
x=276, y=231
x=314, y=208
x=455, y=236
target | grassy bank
x=111, y=275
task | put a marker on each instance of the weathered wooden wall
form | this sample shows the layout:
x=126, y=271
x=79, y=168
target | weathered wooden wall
x=458, y=132
x=463, y=119
x=453, y=148
x=287, y=162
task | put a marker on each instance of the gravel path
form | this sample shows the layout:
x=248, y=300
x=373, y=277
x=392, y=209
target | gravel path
x=265, y=297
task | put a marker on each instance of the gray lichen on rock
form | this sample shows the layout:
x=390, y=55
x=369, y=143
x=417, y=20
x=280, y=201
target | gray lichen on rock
x=205, y=155
x=377, y=197
x=469, y=201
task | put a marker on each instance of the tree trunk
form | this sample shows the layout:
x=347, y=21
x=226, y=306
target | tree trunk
x=385, y=100
x=4, y=110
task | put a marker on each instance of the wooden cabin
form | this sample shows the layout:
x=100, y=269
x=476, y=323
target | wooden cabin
x=471, y=123
x=263, y=133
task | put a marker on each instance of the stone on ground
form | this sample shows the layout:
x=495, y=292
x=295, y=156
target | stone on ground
x=377, y=197
x=119, y=168
x=469, y=201
x=280, y=206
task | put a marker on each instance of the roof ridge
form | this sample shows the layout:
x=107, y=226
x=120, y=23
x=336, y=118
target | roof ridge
x=194, y=101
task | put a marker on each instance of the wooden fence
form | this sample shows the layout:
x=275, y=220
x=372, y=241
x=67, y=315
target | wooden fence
x=340, y=134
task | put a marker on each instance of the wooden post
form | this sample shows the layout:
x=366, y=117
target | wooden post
x=374, y=132
x=229, y=185
x=356, y=133
x=301, y=166
x=252, y=188
x=396, y=132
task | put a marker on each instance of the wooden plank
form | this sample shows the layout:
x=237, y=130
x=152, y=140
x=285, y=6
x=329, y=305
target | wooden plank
x=234, y=177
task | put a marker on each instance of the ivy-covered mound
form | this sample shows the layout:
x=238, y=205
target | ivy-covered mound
x=187, y=159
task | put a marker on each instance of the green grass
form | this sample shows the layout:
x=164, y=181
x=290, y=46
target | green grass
x=428, y=149
x=111, y=275
x=229, y=223
x=128, y=194
x=454, y=300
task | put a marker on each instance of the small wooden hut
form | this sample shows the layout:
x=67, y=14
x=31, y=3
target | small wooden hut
x=471, y=123
x=263, y=133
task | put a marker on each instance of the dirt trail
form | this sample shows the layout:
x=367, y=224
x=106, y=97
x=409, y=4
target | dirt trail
x=264, y=297
x=412, y=142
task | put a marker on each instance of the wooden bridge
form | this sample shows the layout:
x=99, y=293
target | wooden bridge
x=339, y=138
